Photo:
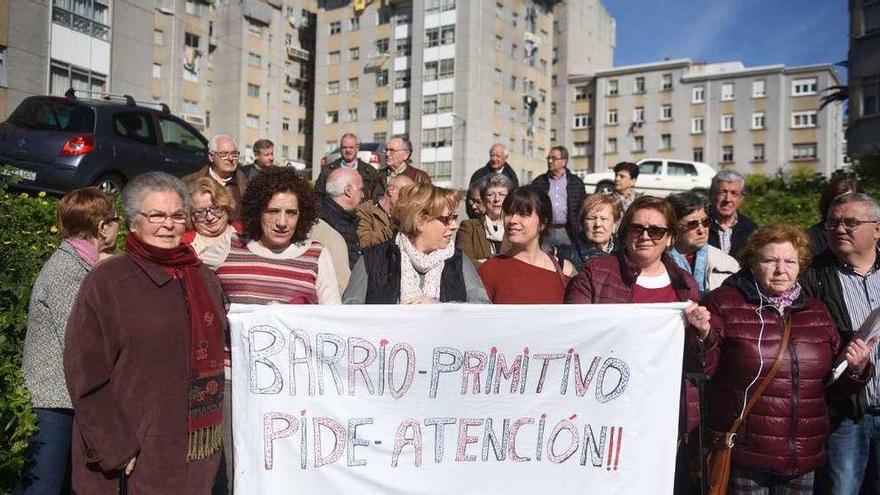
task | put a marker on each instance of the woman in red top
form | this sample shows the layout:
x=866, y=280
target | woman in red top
x=525, y=274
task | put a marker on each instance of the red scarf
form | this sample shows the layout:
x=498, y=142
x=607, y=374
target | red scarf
x=205, y=414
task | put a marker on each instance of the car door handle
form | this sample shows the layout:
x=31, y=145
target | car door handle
x=171, y=160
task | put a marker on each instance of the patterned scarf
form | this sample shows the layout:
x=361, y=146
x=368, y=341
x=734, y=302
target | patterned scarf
x=414, y=262
x=701, y=264
x=205, y=412
x=785, y=300
x=494, y=229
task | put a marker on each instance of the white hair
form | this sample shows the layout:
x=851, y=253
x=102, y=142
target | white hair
x=339, y=180
x=503, y=149
x=212, y=144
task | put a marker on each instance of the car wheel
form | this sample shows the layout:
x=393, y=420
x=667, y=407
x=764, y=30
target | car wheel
x=605, y=188
x=110, y=183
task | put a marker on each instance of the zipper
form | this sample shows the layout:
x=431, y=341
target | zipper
x=795, y=397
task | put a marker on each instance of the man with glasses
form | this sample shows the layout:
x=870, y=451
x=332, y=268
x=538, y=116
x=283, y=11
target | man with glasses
x=348, y=149
x=846, y=277
x=730, y=228
x=567, y=193
x=398, y=153
x=223, y=167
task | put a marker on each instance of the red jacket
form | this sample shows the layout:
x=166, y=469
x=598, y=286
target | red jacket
x=609, y=279
x=786, y=430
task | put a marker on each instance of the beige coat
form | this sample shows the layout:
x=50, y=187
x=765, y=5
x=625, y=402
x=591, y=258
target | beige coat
x=374, y=226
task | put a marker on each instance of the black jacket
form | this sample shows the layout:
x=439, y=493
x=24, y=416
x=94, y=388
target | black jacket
x=575, y=193
x=744, y=226
x=382, y=263
x=344, y=222
x=367, y=172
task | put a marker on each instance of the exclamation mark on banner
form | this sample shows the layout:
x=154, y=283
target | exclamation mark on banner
x=610, y=448
x=617, y=451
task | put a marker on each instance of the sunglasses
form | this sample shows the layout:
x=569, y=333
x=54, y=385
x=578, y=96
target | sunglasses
x=447, y=219
x=655, y=232
x=693, y=224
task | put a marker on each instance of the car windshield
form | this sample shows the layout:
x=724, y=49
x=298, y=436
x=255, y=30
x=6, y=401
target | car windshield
x=54, y=114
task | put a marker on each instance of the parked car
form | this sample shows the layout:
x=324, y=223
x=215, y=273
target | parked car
x=658, y=177
x=368, y=152
x=57, y=144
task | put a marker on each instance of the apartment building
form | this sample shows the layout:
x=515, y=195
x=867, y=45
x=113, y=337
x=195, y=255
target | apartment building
x=863, y=129
x=454, y=76
x=752, y=119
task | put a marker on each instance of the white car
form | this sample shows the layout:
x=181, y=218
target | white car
x=658, y=177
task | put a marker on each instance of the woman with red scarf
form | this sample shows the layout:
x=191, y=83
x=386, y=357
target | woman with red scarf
x=144, y=356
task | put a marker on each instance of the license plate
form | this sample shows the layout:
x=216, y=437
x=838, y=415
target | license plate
x=24, y=174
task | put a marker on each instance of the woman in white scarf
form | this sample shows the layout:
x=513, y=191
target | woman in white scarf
x=419, y=264
x=212, y=232
x=483, y=238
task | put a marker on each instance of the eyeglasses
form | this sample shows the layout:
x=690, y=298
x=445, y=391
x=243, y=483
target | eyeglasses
x=494, y=195
x=655, y=232
x=554, y=158
x=202, y=214
x=225, y=155
x=112, y=220
x=159, y=217
x=693, y=224
x=849, y=224
x=392, y=150
x=447, y=219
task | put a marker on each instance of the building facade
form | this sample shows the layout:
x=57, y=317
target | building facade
x=752, y=119
x=863, y=129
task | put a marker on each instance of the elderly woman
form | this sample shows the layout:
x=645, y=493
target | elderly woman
x=212, y=231
x=88, y=224
x=481, y=238
x=781, y=441
x=525, y=274
x=419, y=264
x=709, y=265
x=144, y=355
x=599, y=216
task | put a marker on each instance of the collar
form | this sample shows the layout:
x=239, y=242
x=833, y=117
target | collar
x=156, y=273
x=218, y=178
x=845, y=267
x=718, y=224
x=744, y=281
x=338, y=209
x=352, y=164
x=391, y=173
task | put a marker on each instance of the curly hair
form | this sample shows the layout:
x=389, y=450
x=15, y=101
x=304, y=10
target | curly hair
x=267, y=184
x=775, y=233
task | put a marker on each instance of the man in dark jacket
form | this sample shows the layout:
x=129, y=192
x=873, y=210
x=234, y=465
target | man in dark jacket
x=497, y=164
x=345, y=191
x=348, y=148
x=264, y=156
x=730, y=228
x=567, y=194
x=223, y=167
x=846, y=277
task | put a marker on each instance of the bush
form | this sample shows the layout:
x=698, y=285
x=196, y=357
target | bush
x=28, y=236
x=794, y=201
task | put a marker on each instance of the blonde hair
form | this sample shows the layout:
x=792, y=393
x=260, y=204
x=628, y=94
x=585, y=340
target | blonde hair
x=597, y=200
x=419, y=201
x=219, y=195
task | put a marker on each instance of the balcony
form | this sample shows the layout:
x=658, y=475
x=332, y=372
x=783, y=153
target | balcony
x=297, y=53
x=79, y=23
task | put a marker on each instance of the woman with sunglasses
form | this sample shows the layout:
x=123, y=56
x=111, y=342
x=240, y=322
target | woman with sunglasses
x=482, y=238
x=526, y=274
x=643, y=272
x=709, y=265
x=212, y=206
x=419, y=264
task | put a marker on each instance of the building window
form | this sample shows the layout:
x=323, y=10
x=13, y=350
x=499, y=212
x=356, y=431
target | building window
x=611, y=117
x=89, y=17
x=64, y=77
x=804, y=151
x=254, y=59
x=384, y=16
x=354, y=53
x=381, y=78
x=285, y=125
x=581, y=121
x=335, y=27
x=444, y=35
x=157, y=72
x=666, y=141
x=402, y=79
x=697, y=125
x=333, y=88
x=638, y=144
x=333, y=58
x=253, y=90
x=552, y=108
x=758, y=152
x=698, y=94
x=353, y=84
x=759, y=88
x=698, y=154
x=580, y=148
x=871, y=95
x=513, y=48
x=639, y=114
x=441, y=69
x=441, y=103
x=194, y=8
x=443, y=5
x=401, y=111
x=158, y=37
x=382, y=45
x=287, y=96
x=727, y=122
x=380, y=110
x=612, y=87
x=255, y=30
x=581, y=93
x=329, y=146
x=499, y=42
x=611, y=145
x=758, y=120
x=727, y=154
x=804, y=87
x=801, y=120
x=666, y=112
x=513, y=83
x=439, y=171
x=354, y=23
x=252, y=121
x=437, y=138
x=666, y=82
x=380, y=137
x=727, y=92
x=332, y=117
x=352, y=114
x=403, y=47
x=191, y=107
x=639, y=86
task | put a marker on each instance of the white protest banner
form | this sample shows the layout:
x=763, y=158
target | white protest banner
x=456, y=398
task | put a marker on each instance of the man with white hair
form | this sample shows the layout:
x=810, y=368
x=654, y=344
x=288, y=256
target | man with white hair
x=497, y=164
x=344, y=192
x=730, y=228
x=223, y=167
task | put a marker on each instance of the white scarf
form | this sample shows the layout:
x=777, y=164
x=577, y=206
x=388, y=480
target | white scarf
x=215, y=253
x=414, y=262
x=494, y=229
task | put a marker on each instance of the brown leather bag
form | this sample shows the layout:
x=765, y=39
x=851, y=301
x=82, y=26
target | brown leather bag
x=719, y=458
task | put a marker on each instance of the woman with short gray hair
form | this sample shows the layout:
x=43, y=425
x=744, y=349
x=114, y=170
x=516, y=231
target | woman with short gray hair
x=482, y=238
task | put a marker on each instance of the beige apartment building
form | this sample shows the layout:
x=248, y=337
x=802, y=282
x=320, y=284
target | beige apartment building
x=751, y=119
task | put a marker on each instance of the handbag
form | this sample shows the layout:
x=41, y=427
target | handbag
x=720, y=456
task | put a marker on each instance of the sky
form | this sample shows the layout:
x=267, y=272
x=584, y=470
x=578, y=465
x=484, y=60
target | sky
x=756, y=32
